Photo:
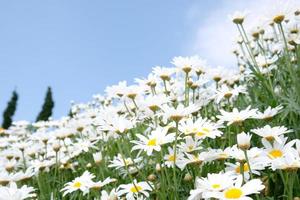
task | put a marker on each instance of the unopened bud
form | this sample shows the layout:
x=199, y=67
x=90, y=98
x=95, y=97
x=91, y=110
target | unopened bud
x=151, y=177
x=188, y=177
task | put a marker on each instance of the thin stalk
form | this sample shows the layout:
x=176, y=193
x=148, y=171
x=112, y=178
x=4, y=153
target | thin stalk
x=186, y=89
x=175, y=154
x=165, y=86
x=248, y=163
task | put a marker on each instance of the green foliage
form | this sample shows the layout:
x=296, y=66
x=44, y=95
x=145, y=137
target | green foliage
x=10, y=110
x=46, y=111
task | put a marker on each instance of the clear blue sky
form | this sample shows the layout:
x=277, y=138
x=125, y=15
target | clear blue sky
x=80, y=47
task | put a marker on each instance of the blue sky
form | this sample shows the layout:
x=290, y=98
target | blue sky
x=79, y=47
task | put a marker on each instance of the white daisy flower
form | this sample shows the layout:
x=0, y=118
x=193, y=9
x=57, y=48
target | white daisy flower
x=239, y=191
x=269, y=113
x=271, y=133
x=236, y=116
x=82, y=183
x=133, y=190
x=154, y=141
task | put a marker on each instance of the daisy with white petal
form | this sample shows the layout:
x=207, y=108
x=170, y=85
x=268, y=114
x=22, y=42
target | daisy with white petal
x=255, y=168
x=201, y=128
x=290, y=162
x=264, y=62
x=170, y=158
x=99, y=184
x=213, y=182
x=238, y=17
x=12, y=192
x=82, y=183
x=200, y=67
x=225, y=92
x=239, y=155
x=176, y=114
x=186, y=64
x=154, y=103
x=217, y=73
x=84, y=145
x=148, y=83
x=22, y=176
x=120, y=162
x=163, y=72
x=239, y=191
x=154, y=141
x=187, y=127
x=271, y=133
x=192, y=159
x=269, y=113
x=190, y=145
x=117, y=124
x=131, y=170
x=135, y=189
x=236, y=116
x=116, y=91
x=276, y=150
x=219, y=154
x=109, y=196
x=280, y=11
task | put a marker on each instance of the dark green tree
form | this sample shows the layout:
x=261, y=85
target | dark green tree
x=46, y=111
x=70, y=114
x=10, y=110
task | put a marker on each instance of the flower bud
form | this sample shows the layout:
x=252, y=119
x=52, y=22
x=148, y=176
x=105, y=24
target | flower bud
x=151, y=177
x=97, y=157
x=157, y=167
x=243, y=141
x=188, y=177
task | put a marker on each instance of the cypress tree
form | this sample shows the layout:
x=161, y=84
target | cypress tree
x=46, y=111
x=10, y=110
x=70, y=114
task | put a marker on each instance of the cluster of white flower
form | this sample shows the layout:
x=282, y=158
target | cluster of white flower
x=189, y=123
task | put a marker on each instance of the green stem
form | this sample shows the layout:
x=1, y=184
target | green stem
x=175, y=154
x=186, y=89
x=242, y=170
x=248, y=163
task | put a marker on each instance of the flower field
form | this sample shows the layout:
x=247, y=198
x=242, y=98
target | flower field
x=189, y=131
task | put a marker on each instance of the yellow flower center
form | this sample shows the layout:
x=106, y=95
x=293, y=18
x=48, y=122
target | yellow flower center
x=216, y=186
x=217, y=78
x=194, y=130
x=200, y=134
x=270, y=138
x=196, y=157
x=77, y=185
x=171, y=158
x=233, y=193
x=278, y=18
x=237, y=119
x=228, y=95
x=276, y=153
x=190, y=147
x=135, y=189
x=223, y=155
x=187, y=68
x=152, y=142
x=128, y=161
x=238, y=169
x=189, y=131
x=204, y=131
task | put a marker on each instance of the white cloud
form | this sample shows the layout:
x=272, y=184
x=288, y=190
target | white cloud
x=214, y=33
